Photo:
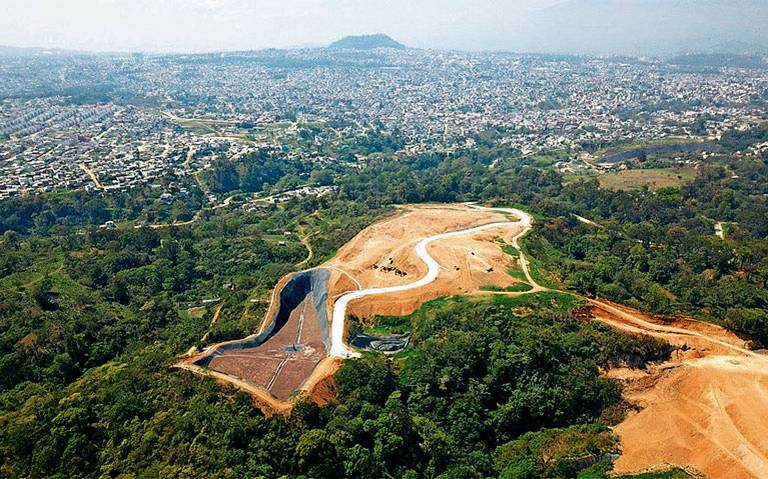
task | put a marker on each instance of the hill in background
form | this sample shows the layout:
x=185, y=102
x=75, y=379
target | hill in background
x=366, y=42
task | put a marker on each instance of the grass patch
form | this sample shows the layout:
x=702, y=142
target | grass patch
x=670, y=474
x=535, y=265
x=511, y=251
x=515, y=288
x=386, y=325
x=653, y=178
x=537, y=215
x=543, y=160
x=517, y=274
x=556, y=300
x=51, y=265
x=193, y=312
x=196, y=126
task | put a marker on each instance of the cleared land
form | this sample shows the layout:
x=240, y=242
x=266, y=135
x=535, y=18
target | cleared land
x=294, y=355
x=653, y=178
x=278, y=360
x=384, y=255
x=705, y=409
x=282, y=363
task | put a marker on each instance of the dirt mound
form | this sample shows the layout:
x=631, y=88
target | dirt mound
x=702, y=410
x=706, y=414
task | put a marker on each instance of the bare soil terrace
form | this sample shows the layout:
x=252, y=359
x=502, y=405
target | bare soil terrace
x=704, y=410
x=282, y=363
x=384, y=255
x=278, y=360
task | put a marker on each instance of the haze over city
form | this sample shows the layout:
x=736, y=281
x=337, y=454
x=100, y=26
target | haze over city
x=211, y=25
x=575, y=26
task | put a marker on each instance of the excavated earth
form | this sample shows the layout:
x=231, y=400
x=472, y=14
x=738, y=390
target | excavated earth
x=384, y=255
x=290, y=353
x=705, y=410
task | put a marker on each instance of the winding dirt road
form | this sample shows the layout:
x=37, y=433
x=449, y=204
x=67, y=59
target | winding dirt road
x=304, y=238
x=338, y=347
x=91, y=175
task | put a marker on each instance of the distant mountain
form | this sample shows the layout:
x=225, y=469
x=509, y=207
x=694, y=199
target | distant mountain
x=737, y=47
x=7, y=51
x=366, y=42
x=642, y=27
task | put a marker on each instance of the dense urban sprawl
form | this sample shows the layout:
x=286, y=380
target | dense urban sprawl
x=115, y=121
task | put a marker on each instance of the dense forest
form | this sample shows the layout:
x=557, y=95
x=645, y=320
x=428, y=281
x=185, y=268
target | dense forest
x=469, y=400
x=92, y=318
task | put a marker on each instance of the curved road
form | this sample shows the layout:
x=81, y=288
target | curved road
x=339, y=348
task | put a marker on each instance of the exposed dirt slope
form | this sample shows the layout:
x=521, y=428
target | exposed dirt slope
x=705, y=409
x=384, y=255
x=467, y=264
x=390, y=243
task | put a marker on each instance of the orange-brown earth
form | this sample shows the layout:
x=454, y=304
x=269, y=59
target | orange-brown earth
x=384, y=255
x=381, y=255
x=706, y=409
x=282, y=363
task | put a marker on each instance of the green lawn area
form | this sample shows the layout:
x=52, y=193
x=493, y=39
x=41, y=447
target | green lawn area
x=553, y=299
x=196, y=126
x=36, y=272
x=654, y=178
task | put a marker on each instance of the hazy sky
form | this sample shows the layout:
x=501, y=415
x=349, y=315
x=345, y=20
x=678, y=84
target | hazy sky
x=210, y=25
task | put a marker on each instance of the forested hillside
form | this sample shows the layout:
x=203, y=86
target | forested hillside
x=92, y=318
